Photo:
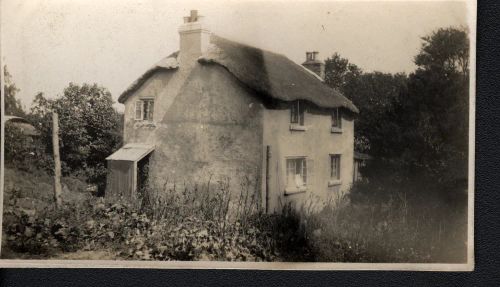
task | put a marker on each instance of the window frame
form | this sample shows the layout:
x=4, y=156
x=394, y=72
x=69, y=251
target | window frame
x=297, y=116
x=297, y=113
x=293, y=188
x=335, y=173
x=336, y=120
x=143, y=106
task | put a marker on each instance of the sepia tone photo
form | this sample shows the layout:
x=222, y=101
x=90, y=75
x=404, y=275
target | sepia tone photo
x=238, y=134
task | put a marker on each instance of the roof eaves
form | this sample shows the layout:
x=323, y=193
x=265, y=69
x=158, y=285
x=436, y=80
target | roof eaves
x=167, y=63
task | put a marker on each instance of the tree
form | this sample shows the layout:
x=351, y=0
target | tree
x=339, y=72
x=445, y=50
x=89, y=128
x=13, y=106
x=437, y=105
x=373, y=93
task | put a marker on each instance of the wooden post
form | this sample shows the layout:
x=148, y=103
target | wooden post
x=268, y=176
x=57, y=160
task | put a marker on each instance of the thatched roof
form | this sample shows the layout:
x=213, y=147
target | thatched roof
x=273, y=75
x=167, y=63
x=270, y=74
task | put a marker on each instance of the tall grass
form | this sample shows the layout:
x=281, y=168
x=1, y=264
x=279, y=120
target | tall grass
x=217, y=221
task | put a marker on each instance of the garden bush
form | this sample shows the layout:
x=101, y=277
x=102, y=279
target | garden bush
x=204, y=222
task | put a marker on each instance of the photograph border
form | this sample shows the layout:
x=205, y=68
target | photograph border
x=313, y=266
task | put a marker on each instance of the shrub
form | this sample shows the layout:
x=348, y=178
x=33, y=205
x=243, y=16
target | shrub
x=203, y=222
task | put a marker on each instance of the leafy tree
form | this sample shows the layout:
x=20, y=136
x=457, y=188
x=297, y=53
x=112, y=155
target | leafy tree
x=423, y=134
x=89, y=128
x=437, y=105
x=13, y=106
x=339, y=72
x=373, y=93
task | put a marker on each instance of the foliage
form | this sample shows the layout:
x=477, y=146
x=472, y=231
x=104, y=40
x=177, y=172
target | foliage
x=436, y=107
x=89, y=128
x=13, y=106
x=414, y=125
x=373, y=94
x=339, y=72
x=206, y=223
x=135, y=232
x=24, y=152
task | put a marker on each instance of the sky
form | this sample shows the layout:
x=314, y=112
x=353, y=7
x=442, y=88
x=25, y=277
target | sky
x=46, y=44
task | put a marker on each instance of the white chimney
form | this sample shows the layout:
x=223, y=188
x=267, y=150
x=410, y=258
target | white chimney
x=194, y=38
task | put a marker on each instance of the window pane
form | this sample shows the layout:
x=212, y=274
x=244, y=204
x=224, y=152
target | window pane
x=138, y=110
x=294, y=114
x=147, y=110
x=296, y=172
x=335, y=166
x=151, y=110
x=290, y=171
x=301, y=112
x=336, y=118
x=304, y=171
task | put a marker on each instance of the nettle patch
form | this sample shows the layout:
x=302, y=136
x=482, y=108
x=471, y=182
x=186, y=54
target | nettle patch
x=133, y=235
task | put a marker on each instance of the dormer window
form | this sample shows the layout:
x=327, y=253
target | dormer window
x=336, y=120
x=297, y=113
x=144, y=109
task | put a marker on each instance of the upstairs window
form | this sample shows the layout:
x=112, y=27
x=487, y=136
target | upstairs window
x=297, y=113
x=144, y=110
x=336, y=119
x=335, y=167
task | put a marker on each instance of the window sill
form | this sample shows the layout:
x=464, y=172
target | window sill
x=143, y=123
x=334, y=182
x=297, y=127
x=336, y=130
x=295, y=190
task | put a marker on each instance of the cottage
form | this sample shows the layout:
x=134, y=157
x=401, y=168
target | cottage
x=220, y=109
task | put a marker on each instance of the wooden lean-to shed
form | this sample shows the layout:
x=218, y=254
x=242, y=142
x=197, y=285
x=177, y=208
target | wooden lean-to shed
x=123, y=168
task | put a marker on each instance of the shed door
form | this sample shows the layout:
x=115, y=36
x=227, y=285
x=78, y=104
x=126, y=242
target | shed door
x=121, y=177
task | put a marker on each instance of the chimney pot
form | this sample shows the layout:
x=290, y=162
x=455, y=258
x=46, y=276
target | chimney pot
x=194, y=15
x=313, y=64
x=194, y=38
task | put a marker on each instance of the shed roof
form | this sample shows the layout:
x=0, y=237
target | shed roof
x=24, y=125
x=132, y=152
x=270, y=74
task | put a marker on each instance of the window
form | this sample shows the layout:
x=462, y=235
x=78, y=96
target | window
x=297, y=113
x=336, y=119
x=296, y=172
x=335, y=166
x=144, y=110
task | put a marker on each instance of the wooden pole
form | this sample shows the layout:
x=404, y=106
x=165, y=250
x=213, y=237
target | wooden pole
x=57, y=160
x=268, y=176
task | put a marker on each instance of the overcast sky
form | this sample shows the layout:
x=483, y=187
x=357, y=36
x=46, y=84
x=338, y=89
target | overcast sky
x=48, y=43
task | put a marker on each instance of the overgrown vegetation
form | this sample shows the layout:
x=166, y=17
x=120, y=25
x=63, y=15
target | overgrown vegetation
x=203, y=222
x=90, y=130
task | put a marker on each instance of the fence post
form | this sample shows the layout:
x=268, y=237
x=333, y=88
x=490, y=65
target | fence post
x=57, y=160
x=268, y=176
